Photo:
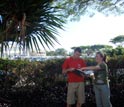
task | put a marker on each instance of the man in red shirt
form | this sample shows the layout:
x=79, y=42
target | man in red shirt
x=76, y=90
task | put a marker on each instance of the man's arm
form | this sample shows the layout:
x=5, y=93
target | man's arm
x=65, y=71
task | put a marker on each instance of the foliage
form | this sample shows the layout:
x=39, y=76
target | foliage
x=100, y=47
x=50, y=53
x=118, y=51
x=91, y=49
x=41, y=85
x=57, y=52
x=116, y=62
x=108, y=50
x=29, y=23
x=119, y=40
x=24, y=73
x=75, y=8
x=53, y=67
x=53, y=96
x=90, y=61
x=61, y=51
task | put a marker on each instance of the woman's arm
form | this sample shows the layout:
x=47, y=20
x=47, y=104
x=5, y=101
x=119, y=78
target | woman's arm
x=91, y=68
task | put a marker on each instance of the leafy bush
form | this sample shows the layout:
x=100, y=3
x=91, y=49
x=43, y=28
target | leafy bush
x=24, y=73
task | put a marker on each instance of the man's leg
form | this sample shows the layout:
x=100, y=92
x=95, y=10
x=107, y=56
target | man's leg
x=80, y=94
x=78, y=105
x=68, y=105
x=71, y=94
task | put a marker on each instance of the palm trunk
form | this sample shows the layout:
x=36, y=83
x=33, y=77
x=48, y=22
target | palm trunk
x=22, y=32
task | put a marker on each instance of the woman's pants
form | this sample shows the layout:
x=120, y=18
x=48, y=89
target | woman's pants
x=102, y=95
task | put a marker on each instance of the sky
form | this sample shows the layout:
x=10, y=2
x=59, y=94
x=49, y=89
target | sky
x=98, y=29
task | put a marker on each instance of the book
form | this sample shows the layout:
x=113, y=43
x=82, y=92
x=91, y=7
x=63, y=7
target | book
x=79, y=72
x=89, y=72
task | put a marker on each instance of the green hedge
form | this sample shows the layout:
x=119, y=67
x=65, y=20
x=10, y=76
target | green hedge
x=25, y=73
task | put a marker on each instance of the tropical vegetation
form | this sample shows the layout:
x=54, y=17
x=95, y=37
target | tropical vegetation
x=32, y=23
x=29, y=23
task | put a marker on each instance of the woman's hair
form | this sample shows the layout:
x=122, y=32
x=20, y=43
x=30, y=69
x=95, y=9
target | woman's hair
x=103, y=56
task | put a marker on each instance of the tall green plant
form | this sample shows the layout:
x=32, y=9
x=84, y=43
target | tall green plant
x=29, y=23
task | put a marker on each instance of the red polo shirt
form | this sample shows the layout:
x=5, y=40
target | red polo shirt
x=74, y=63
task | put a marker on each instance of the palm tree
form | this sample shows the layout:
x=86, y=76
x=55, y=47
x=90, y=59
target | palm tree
x=28, y=23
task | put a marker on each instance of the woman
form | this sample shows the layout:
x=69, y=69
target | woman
x=101, y=83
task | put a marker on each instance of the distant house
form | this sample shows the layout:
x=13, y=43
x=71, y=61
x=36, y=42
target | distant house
x=18, y=52
x=34, y=53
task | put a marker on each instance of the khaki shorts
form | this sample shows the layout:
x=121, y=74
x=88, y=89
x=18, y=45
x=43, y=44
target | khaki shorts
x=76, y=92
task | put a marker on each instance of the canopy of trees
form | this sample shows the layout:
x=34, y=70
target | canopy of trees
x=58, y=52
x=75, y=8
x=119, y=40
x=109, y=50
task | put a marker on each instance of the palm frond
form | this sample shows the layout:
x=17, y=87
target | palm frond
x=29, y=21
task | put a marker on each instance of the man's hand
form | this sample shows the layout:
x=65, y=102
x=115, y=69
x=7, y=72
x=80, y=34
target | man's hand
x=68, y=70
x=71, y=69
